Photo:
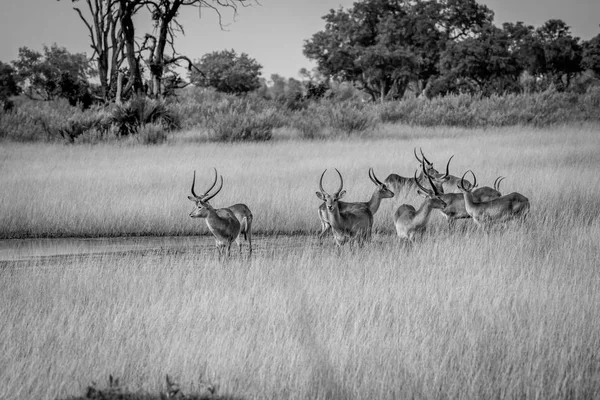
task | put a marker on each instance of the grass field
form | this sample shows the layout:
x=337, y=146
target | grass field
x=515, y=314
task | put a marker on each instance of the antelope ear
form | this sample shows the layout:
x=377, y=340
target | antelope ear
x=192, y=198
x=420, y=193
x=341, y=194
x=320, y=196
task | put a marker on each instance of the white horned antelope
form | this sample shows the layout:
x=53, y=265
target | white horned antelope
x=409, y=221
x=221, y=222
x=353, y=224
x=398, y=183
x=497, y=210
x=381, y=192
x=244, y=216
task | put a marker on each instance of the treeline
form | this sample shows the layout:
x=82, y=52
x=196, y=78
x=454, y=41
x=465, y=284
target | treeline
x=420, y=60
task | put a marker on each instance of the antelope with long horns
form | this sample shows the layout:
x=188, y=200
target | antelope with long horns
x=352, y=224
x=221, y=222
x=498, y=210
x=381, y=192
x=409, y=221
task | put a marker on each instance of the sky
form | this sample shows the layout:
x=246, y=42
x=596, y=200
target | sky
x=273, y=33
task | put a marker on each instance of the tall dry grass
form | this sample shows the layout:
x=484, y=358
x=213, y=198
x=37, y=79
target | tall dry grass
x=111, y=190
x=512, y=315
x=515, y=314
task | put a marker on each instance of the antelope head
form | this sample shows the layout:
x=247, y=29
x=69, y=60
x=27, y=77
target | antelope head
x=202, y=206
x=331, y=201
x=464, y=186
x=433, y=194
x=382, y=188
x=425, y=163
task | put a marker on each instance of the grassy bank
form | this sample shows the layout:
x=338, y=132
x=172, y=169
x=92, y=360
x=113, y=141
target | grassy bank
x=111, y=190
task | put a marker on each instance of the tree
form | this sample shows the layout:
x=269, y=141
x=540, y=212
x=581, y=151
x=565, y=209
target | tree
x=562, y=53
x=227, y=72
x=481, y=64
x=8, y=82
x=591, y=55
x=106, y=41
x=113, y=32
x=56, y=73
x=382, y=45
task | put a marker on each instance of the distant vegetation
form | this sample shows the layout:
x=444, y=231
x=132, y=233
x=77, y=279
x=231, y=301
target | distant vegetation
x=380, y=61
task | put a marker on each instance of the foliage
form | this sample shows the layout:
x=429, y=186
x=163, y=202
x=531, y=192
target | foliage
x=56, y=73
x=384, y=44
x=481, y=64
x=227, y=72
x=562, y=53
x=129, y=116
x=8, y=82
x=591, y=55
x=239, y=120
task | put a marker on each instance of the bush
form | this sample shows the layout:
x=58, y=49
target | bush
x=129, y=116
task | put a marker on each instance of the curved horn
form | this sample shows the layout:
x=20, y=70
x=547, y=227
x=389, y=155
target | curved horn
x=416, y=156
x=321, y=183
x=427, y=191
x=341, y=182
x=462, y=181
x=213, y=184
x=497, y=183
x=373, y=177
x=215, y=193
x=474, y=180
x=193, y=184
x=448, y=167
x=435, y=191
x=424, y=158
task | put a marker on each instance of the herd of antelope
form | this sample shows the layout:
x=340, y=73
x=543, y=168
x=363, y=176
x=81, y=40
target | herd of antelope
x=456, y=198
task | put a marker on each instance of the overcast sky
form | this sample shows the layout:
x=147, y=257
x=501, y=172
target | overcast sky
x=272, y=33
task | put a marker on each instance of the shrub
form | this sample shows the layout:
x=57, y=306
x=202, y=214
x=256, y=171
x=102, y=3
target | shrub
x=237, y=126
x=129, y=116
x=347, y=118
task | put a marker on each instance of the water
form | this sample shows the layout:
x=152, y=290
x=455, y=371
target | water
x=30, y=249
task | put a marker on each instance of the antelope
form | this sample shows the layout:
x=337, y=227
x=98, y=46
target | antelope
x=355, y=223
x=408, y=220
x=397, y=182
x=221, y=222
x=381, y=192
x=244, y=216
x=450, y=182
x=498, y=210
x=455, y=202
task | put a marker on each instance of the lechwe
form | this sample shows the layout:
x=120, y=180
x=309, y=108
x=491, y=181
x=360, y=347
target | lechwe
x=244, y=215
x=408, y=220
x=222, y=222
x=455, y=202
x=498, y=210
x=399, y=183
x=381, y=192
x=353, y=224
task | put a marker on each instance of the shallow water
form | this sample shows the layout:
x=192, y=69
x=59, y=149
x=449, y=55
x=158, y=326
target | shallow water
x=30, y=249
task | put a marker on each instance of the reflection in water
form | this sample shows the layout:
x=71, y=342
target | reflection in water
x=27, y=249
